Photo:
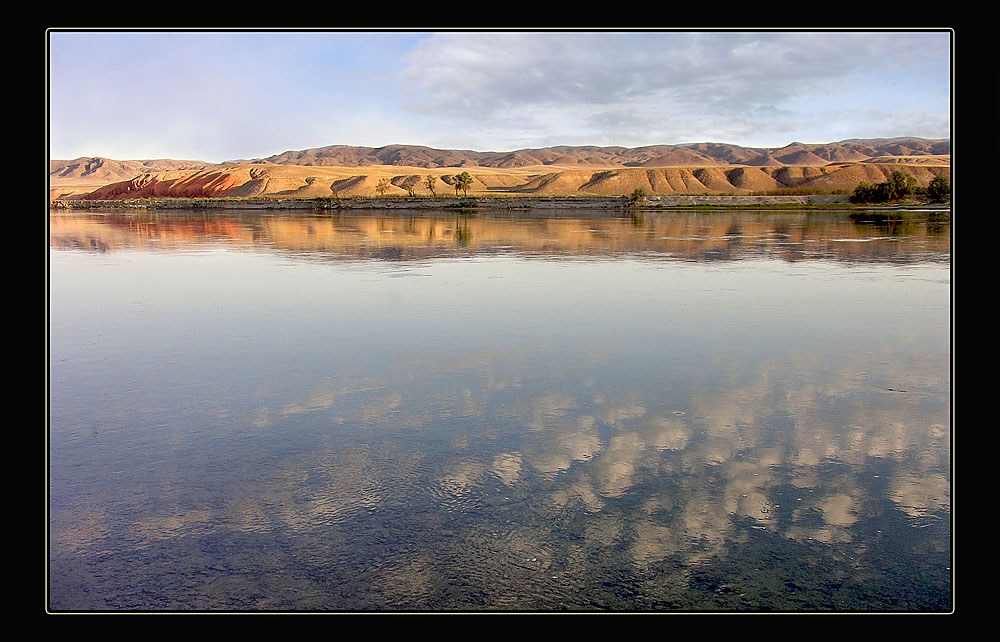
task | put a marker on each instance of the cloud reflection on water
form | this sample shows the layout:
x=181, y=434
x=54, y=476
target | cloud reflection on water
x=664, y=460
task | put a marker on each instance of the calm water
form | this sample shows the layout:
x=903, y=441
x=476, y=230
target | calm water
x=699, y=411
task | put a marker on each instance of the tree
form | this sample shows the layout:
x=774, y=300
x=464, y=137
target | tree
x=410, y=184
x=939, y=188
x=897, y=187
x=463, y=182
x=429, y=181
x=863, y=193
x=383, y=185
x=900, y=185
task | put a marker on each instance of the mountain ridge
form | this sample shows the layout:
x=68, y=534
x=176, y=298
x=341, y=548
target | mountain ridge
x=674, y=155
x=694, y=154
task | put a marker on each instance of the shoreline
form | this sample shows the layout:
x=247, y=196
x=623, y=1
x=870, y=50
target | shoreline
x=818, y=201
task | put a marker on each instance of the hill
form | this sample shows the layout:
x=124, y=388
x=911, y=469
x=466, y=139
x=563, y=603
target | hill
x=86, y=174
x=341, y=171
x=683, y=155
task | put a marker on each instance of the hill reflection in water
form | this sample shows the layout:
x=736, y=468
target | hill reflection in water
x=688, y=236
x=726, y=411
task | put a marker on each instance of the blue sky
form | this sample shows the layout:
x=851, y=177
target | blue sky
x=226, y=95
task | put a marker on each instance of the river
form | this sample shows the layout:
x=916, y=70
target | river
x=437, y=411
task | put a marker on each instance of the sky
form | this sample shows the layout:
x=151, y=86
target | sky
x=226, y=95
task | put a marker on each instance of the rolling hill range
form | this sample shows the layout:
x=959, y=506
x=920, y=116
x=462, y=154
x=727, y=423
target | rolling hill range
x=339, y=170
x=686, y=155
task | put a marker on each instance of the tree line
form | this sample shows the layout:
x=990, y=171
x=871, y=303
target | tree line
x=898, y=187
x=461, y=181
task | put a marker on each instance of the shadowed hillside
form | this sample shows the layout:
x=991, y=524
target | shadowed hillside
x=83, y=175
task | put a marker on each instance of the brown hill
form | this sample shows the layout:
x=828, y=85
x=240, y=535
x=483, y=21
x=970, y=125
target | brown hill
x=680, y=158
x=939, y=160
x=850, y=175
x=796, y=176
x=682, y=155
x=336, y=170
x=752, y=179
x=290, y=181
x=82, y=175
x=671, y=180
x=800, y=157
x=713, y=178
x=348, y=156
x=837, y=153
x=107, y=170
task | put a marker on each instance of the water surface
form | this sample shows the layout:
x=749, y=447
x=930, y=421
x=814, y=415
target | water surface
x=672, y=411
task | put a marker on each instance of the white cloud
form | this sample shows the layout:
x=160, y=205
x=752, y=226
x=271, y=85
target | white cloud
x=637, y=86
x=219, y=96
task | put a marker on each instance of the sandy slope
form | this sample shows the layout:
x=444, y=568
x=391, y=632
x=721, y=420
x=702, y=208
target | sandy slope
x=83, y=175
x=290, y=181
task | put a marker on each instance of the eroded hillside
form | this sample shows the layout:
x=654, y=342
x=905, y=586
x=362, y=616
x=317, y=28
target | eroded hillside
x=289, y=181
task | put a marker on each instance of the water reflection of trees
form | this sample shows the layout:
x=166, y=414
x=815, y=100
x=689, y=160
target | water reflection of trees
x=891, y=224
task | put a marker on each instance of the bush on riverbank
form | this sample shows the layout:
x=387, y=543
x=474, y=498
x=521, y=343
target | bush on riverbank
x=898, y=187
x=939, y=189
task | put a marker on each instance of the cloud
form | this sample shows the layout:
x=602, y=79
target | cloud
x=226, y=95
x=675, y=83
x=488, y=72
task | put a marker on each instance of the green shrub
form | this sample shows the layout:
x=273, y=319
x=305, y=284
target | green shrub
x=939, y=188
x=896, y=188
